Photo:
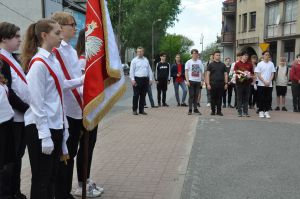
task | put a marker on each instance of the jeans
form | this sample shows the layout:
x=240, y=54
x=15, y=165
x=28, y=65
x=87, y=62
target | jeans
x=149, y=92
x=184, y=91
x=194, y=89
x=243, y=92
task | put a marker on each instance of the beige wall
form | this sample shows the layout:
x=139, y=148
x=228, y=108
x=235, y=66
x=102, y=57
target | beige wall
x=29, y=8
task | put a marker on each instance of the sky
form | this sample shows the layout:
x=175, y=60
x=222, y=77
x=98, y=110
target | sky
x=199, y=16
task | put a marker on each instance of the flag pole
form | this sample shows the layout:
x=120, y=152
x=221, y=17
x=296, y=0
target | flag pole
x=85, y=161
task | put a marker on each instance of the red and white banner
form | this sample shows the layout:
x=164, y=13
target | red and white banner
x=104, y=80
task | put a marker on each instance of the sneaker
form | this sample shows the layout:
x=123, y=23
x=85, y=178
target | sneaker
x=212, y=113
x=261, y=114
x=208, y=105
x=240, y=115
x=197, y=111
x=198, y=104
x=267, y=115
x=230, y=106
x=190, y=112
x=246, y=115
x=154, y=106
x=95, y=186
x=143, y=113
x=134, y=113
x=277, y=108
x=90, y=192
x=165, y=104
x=284, y=109
x=183, y=104
x=178, y=104
x=224, y=106
x=145, y=106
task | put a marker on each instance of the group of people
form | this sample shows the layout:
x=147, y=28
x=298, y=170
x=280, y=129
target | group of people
x=41, y=108
x=250, y=80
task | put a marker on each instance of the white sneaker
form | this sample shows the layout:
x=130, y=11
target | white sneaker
x=90, y=192
x=261, y=114
x=267, y=115
x=208, y=105
x=95, y=186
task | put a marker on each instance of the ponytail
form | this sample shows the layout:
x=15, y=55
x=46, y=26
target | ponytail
x=30, y=46
x=33, y=40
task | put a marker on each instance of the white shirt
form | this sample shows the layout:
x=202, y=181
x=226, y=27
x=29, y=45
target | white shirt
x=46, y=110
x=6, y=111
x=195, y=70
x=71, y=61
x=17, y=85
x=265, y=69
x=140, y=67
x=282, y=76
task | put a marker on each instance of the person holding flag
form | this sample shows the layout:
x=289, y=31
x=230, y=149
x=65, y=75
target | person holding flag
x=73, y=79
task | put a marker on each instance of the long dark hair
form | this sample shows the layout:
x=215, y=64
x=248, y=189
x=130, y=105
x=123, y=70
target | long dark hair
x=80, y=46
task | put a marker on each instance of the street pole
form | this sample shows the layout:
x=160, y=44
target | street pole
x=119, y=28
x=152, y=45
x=201, y=42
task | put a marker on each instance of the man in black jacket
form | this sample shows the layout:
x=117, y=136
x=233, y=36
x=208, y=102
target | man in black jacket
x=162, y=78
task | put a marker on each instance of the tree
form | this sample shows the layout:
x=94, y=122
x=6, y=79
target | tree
x=136, y=18
x=208, y=51
x=173, y=44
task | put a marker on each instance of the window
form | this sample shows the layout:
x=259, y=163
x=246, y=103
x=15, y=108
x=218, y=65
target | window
x=244, y=22
x=291, y=10
x=273, y=12
x=252, y=20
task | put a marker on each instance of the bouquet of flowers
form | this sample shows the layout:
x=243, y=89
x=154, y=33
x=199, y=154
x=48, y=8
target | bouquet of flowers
x=243, y=75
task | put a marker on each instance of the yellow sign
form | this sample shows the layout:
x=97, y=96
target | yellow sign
x=264, y=46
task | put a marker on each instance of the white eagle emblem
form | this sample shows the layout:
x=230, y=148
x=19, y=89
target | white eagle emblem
x=93, y=44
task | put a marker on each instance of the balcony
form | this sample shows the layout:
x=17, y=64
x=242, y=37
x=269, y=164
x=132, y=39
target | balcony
x=272, y=1
x=229, y=10
x=274, y=31
x=289, y=28
x=227, y=37
x=247, y=41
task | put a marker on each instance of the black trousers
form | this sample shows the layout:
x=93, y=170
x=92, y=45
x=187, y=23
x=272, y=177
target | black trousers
x=228, y=94
x=63, y=186
x=79, y=161
x=265, y=98
x=253, y=96
x=194, y=90
x=216, y=93
x=296, y=96
x=20, y=146
x=44, y=167
x=139, y=93
x=162, y=87
x=7, y=158
x=243, y=93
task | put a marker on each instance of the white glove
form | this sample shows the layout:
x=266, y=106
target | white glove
x=64, y=142
x=47, y=146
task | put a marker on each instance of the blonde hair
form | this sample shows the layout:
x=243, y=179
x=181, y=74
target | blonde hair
x=62, y=18
x=33, y=39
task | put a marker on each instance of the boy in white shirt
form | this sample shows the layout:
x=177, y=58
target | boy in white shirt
x=265, y=71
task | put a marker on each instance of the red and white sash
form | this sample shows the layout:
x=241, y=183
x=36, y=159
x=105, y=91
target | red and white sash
x=14, y=67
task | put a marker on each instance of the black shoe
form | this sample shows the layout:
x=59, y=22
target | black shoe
x=257, y=111
x=246, y=115
x=134, y=113
x=197, y=111
x=277, y=108
x=220, y=114
x=183, y=104
x=190, y=112
x=165, y=104
x=224, y=106
x=143, y=113
x=19, y=196
x=230, y=106
x=284, y=109
x=198, y=104
x=212, y=113
x=154, y=106
x=178, y=104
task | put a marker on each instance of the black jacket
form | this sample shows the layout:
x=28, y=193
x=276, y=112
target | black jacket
x=174, y=71
x=14, y=100
x=162, y=71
